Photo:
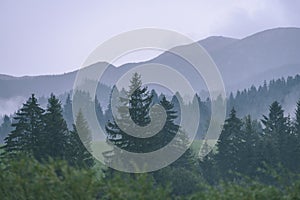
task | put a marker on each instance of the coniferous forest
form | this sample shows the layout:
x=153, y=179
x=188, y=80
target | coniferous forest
x=257, y=155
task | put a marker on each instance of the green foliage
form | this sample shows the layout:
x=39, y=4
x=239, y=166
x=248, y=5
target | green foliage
x=99, y=113
x=229, y=144
x=137, y=101
x=182, y=181
x=27, y=137
x=56, y=133
x=44, y=135
x=68, y=112
x=255, y=101
x=5, y=128
x=80, y=144
x=139, y=186
x=247, y=150
x=277, y=136
x=26, y=178
x=232, y=191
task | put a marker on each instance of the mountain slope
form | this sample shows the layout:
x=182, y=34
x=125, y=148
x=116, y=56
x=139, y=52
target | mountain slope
x=242, y=62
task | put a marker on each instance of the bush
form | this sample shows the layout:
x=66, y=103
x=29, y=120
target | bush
x=28, y=179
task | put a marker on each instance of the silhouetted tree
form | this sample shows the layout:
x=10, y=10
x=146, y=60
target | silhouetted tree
x=5, y=128
x=230, y=140
x=27, y=136
x=56, y=132
x=275, y=135
x=68, y=113
x=79, y=150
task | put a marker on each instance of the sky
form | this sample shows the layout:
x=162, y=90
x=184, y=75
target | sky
x=54, y=37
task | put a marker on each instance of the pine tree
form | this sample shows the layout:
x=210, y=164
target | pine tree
x=99, y=113
x=27, y=135
x=138, y=101
x=296, y=138
x=183, y=170
x=169, y=131
x=155, y=99
x=68, y=112
x=56, y=131
x=5, y=128
x=297, y=120
x=275, y=135
x=79, y=150
x=229, y=141
x=249, y=147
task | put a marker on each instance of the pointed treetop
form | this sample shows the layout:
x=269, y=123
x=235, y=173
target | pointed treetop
x=232, y=113
x=135, y=82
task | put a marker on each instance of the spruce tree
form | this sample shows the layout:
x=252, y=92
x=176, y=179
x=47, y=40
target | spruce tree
x=169, y=131
x=137, y=101
x=249, y=147
x=56, y=131
x=275, y=135
x=5, y=128
x=99, y=112
x=68, y=112
x=183, y=170
x=80, y=144
x=27, y=136
x=296, y=137
x=229, y=141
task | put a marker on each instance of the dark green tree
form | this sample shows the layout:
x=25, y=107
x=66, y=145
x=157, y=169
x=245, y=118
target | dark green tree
x=230, y=140
x=56, y=132
x=5, y=128
x=68, y=112
x=250, y=146
x=80, y=144
x=181, y=173
x=295, y=146
x=276, y=132
x=169, y=131
x=137, y=101
x=27, y=136
x=99, y=112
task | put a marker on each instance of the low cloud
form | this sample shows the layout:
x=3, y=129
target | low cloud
x=11, y=105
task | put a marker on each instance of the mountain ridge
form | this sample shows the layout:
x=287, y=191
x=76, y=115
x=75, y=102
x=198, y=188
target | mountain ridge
x=242, y=63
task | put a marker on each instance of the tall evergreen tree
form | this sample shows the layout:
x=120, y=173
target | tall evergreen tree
x=138, y=101
x=27, y=136
x=68, y=112
x=296, y=138
x=99, y=112
x=249, y=147
x=80, y=144
x=56, y=131
x=169, y=131
x=276, y=133
x=5, y=128
x=183, y=170
x=228, y=145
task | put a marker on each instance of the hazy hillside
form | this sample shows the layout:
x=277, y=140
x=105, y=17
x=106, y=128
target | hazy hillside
x=258, y=53
x=242, y=63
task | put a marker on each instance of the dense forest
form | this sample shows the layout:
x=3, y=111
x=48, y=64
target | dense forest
x=256, y=156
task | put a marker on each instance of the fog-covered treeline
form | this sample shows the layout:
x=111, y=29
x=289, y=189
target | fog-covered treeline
x=259, y=153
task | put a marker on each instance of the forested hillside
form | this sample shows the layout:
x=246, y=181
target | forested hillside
x=253, y=156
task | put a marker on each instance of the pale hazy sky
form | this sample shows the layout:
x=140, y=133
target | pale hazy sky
x=52, y=37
